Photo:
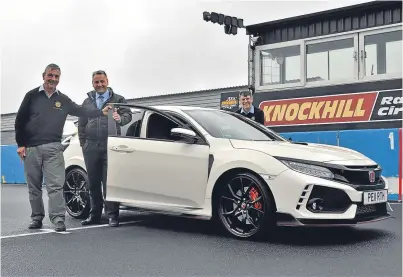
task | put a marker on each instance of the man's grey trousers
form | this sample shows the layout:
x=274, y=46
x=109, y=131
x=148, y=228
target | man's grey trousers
x=46, y=162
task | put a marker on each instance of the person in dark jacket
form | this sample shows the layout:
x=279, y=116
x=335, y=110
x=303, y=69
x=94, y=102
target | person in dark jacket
x=38, y=132
x=93, y=136
x=248, y=109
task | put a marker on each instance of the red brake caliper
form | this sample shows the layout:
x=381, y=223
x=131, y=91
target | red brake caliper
x=253, y=194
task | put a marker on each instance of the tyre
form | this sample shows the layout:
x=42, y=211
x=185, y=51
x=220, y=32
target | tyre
x=76, y=194
x=244, y=207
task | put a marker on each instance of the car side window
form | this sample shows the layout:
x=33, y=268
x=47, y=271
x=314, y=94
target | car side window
x=159, y=127
x=133, y=129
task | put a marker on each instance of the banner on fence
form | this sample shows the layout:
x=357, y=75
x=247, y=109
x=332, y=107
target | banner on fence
x=330, y=109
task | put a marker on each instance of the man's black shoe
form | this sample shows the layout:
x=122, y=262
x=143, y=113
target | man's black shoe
x=113, y=222
x=60, y=227
x=91, y=221
x=35, y=224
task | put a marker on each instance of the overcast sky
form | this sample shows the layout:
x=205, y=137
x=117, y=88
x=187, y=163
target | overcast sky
x=147, y=47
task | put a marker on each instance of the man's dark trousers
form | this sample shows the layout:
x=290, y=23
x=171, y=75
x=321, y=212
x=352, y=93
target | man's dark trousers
x=95, y=157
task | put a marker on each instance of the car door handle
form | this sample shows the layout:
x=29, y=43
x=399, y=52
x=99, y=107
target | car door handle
x=122, y=149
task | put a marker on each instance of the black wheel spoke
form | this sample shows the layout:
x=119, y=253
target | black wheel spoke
x=68, y=185
x=227, y=198
x=253, y=208
x=82, y=185
x=71, y=200
x=244, y=216
x=74, y=179
x=246, y=193
x=238, y=213
x=230, y=212
x=81, y=202
x=242, y=186
x=251, y=221
x=256, y=200
x=232, y=192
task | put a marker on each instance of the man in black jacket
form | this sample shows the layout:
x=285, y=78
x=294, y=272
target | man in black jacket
x=93, y=135
x=38, y=132
x=248, y=109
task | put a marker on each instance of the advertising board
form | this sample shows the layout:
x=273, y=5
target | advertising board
x=230, y=101
x=373, y=105
x=342, y=108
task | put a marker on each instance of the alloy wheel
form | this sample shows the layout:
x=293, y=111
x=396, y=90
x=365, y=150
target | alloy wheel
x=76, y=193
x=242, y=206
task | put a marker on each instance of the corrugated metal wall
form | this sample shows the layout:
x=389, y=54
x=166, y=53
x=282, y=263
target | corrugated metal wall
x=337, y=23
x=206, y=99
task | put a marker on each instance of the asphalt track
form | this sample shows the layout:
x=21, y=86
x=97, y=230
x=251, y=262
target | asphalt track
x=150, y=245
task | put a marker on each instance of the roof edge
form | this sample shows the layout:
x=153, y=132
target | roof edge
x=250, y=29
x=190, y=92
x=170, y=94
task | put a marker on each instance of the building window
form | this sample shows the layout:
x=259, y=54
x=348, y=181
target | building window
x=383, y=53
x=280, y=66
x=330, y=61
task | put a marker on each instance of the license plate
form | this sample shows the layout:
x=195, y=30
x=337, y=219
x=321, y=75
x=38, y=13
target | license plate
x=376, y=196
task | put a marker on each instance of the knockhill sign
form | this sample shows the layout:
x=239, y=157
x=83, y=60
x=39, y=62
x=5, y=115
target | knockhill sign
x=341, y=108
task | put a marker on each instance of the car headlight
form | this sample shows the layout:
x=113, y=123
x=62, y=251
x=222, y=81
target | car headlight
x=309, y=169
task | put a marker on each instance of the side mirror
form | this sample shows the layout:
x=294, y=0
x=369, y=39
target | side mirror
x=69, y=128
x=184, y=133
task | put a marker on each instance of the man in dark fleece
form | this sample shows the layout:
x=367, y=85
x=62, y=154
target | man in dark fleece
x=93, y=135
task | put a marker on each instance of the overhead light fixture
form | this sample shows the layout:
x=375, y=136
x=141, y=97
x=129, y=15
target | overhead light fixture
x=231, y=23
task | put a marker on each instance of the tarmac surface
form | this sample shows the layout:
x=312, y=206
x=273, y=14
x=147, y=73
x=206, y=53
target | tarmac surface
x=155, y=245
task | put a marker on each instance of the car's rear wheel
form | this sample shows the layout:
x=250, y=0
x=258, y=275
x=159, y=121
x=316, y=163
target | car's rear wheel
x=76, y=193
x=245, y=207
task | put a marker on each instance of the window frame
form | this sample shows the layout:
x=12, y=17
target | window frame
x=146, y=113
x=362, y=36
x=258, y=60
x=354, y=56
x=200, y=140
x=141, y=119
x=357, y=77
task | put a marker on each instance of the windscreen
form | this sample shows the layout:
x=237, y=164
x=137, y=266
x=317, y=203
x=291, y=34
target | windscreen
x=224, y=125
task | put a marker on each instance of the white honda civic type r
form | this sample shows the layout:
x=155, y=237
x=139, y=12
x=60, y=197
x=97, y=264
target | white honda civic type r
x=213, y=164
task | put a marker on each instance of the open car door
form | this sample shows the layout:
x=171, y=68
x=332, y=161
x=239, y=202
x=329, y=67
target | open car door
x=156, y=161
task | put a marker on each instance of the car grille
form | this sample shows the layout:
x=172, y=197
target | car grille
x=364, y=211
x=358, y=177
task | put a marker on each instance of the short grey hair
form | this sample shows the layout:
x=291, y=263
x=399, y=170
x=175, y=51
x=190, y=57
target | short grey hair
x=51, y=66
x=99, y=72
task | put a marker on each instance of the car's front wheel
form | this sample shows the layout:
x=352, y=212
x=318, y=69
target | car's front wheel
x=76, y=193
x=244, y=207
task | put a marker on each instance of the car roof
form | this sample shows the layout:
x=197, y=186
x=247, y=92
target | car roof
x=182, y=108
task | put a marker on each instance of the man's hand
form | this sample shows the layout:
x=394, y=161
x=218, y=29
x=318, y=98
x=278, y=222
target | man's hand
x=106, y=109
x=116, y=116
x=22, y=152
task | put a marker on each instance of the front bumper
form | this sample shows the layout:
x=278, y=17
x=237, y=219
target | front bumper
x=284, y=219
x=304, y=200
